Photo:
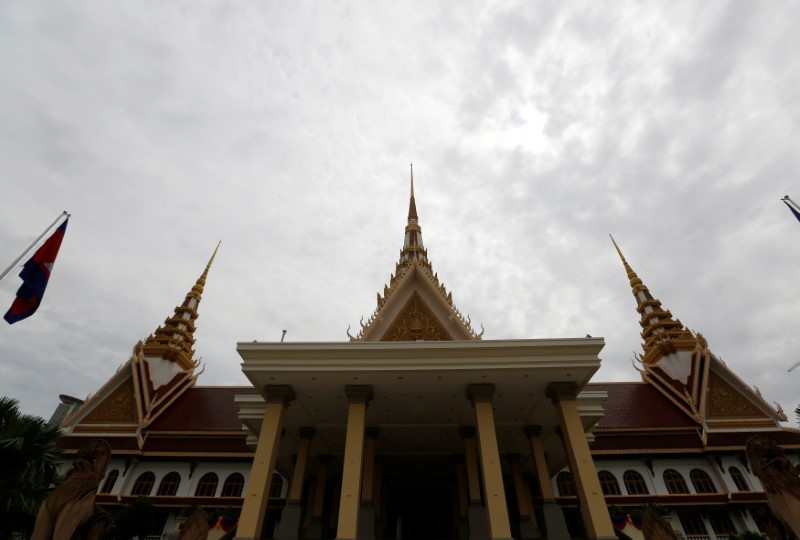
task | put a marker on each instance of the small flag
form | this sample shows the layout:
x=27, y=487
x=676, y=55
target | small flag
x=34, y=276
x=792, y=206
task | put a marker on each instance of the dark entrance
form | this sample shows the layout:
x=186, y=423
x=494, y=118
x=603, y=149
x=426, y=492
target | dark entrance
x=424, y=513
x=420, y=498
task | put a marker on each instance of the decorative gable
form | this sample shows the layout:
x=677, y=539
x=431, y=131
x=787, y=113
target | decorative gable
x=118, y=406
x=416, y=322
x=724, y=401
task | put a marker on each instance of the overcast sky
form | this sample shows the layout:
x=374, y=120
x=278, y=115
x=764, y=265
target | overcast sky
x=286, y=130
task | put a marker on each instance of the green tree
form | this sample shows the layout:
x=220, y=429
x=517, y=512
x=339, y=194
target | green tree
x=29, y=459
x=136, y=519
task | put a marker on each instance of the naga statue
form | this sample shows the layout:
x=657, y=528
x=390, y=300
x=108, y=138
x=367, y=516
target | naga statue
x=655, y=527
x=69, y=511
x=780, y=479
x=196, y=527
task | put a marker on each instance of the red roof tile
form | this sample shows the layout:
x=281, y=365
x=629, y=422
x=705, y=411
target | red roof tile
x=203, y=409
x=633, y=405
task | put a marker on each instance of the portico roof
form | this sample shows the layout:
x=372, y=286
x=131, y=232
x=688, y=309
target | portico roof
x=420, y=390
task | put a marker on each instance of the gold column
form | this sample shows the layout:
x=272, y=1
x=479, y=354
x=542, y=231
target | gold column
x=366, y=516
x=289, y=524
x=315, y=528
x=358, y=396
x=554, y=520
x=593, y=504
x=527, y=519
x=476, y=513
x=496, y=507
x=251, y=521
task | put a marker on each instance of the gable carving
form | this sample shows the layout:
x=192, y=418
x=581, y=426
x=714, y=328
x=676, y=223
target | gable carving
x=415, y=322
x=119, y=406
x=726, y=402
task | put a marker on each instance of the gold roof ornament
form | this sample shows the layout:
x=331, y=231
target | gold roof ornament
x=662, y=335
x=415, y=305
x=175, y=338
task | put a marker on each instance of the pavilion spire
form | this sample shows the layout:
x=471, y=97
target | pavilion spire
x=660, y=332
x=175, y=338
x=413, y=247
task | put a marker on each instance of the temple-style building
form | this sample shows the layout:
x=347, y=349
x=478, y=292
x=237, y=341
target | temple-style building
x=418, y=428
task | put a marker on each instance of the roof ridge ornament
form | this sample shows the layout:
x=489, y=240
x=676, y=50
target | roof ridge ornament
x=175, y=338
x=660, y=332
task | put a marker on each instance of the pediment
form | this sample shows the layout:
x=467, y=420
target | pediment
x=416, y=322
x=416, y=307
x=118, y=406
x=725, y=401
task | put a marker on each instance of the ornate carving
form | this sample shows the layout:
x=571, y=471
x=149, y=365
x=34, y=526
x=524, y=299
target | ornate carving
x=119, y=406
x=69, y=511
x=416, y=322
x=196, y=527
x=656, y=527
x=780, y=478
x=726, y=402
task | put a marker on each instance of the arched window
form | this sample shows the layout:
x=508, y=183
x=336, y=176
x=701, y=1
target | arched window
x=675, y=482
x=276, y=487
x=144, y=484
x=739, y=479
x=233, y=486
x=207, y=486
x=111, y=479
x=169, y=484
x=566, y=484
x=634, y=483
x=609, y=483
x=702, y=482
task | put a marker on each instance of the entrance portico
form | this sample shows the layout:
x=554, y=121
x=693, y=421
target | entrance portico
x=420, y=396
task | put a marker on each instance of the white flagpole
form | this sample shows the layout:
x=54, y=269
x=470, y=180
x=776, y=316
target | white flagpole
x=13, y=264
x=790, y=201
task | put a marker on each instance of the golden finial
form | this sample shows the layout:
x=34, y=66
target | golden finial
x=197, y=290
x=412, y=205
x=636, y=283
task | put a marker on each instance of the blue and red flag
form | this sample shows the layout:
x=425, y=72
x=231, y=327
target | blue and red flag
x=35, y=275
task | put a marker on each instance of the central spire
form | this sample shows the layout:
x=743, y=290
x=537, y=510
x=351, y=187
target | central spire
x=412, y=244
x=175, y=338
x=660, y=332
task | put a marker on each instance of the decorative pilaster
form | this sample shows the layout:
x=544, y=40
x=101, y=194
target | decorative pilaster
x=590, y=494
x=496, y=507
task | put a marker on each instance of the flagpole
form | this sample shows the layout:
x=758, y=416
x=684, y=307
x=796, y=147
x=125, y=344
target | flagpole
x=13, y=264
x=789, y=200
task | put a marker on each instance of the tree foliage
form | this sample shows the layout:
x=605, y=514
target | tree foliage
x=135, y=519
x=29, y=459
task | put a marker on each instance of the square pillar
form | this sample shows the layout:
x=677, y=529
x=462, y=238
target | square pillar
x=251, y=521
x=366, y=515
x=554, y=522
x=350, y=500
x=289, y=525
x=476, y=513
x=493, y=488
x=527, y=520
x=593, y=505
x=314, y=529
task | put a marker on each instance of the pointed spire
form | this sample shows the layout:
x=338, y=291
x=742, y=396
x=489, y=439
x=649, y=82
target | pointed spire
x=412, y=204
x=661, y=333
x=412, y=244
x=175, y=338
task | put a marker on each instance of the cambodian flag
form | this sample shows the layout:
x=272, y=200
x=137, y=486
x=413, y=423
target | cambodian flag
x=34, y=276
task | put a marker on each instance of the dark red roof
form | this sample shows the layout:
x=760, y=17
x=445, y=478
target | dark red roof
x=739, y=439
x=652, y=442
x=637, y=405
x=203, y=409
